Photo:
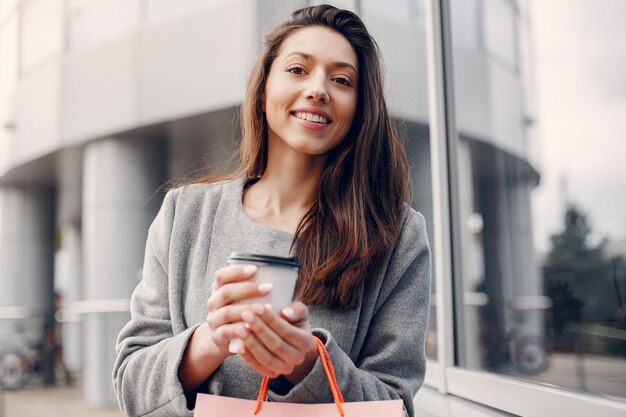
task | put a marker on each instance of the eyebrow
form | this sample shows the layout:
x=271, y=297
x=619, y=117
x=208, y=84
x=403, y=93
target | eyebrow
x=338, y=64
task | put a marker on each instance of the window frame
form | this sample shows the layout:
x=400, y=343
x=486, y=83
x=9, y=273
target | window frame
x=441, y=242
x=515, y=396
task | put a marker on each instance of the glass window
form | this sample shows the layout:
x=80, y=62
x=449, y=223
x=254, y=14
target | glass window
x=543, y=245
x=403, y=47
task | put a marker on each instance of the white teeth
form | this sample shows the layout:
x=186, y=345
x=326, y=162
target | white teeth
x=311, y=117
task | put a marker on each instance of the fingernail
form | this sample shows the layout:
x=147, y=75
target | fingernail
x=258, y=308
x=268, y=306
x=289, y=312
x=247, y=316
x=266, y=287
x=249, y=269
x=241, y=331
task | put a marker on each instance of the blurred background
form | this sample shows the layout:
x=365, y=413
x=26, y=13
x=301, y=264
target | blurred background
x=105, y=104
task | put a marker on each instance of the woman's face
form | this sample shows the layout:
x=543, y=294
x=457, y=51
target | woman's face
x=310, y=94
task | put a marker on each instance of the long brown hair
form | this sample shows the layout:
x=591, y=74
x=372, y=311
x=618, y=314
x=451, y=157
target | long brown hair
x=355, y=220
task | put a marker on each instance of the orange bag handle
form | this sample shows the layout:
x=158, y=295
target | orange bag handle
x=328, y=370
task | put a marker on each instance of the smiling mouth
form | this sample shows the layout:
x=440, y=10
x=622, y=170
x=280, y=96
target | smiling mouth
x=310, y=117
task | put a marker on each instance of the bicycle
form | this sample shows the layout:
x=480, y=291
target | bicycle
x=20, y=361
x=15, y=371
x=527, y=346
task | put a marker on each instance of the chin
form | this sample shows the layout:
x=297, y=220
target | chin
x=306, y=147
x=312, y=152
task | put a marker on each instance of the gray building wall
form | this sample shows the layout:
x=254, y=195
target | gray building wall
x=103, y=102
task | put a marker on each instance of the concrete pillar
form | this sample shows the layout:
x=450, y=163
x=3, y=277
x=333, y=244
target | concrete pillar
x=120, y=199
x=472, y=260
x=26, y=261
x=68, y=275
x=69, y=283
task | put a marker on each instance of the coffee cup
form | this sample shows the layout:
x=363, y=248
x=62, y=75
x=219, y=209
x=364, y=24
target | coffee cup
x=281, y=272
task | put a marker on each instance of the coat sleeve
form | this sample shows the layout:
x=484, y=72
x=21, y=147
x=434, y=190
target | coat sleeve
x=391, y=363
x=145, y=373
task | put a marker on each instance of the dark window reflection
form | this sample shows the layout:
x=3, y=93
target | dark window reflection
x=557, y=317
x=587, y=287
x=541, y=288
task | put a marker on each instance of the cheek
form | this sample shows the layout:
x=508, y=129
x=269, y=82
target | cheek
x=276, y=95
x=349, y=111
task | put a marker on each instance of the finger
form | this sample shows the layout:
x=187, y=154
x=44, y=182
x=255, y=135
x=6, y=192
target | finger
x=224, y=334
x=225, y=315
x=233, y=273
x=296, y=331
x=296, y=313
x=237, y=291
x=254, y=364
x=271, y=341
x=254, y=349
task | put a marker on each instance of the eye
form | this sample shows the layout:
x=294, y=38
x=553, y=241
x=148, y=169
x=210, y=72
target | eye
x=296, y=70
x=343, y=81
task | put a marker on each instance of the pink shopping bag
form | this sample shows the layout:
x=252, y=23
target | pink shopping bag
x=213, y=406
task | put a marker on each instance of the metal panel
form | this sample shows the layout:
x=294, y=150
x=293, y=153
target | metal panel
x=99, y=92
x=96, y=22
x=42, y=32
x=198, y=66
x=526, y=399
x=439, y=85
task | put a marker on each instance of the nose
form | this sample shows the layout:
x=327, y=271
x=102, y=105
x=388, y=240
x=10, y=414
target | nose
x=316, y=89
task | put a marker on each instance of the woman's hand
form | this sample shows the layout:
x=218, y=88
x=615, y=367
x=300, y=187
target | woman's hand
x=276, y=345
x=208, y=346
x=231, y=285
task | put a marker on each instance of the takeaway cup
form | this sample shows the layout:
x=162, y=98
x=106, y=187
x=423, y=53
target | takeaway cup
x=281, y=272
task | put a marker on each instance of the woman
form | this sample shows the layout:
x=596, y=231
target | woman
x=323, y=176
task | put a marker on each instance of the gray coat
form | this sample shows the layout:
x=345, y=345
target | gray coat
x=377, y=349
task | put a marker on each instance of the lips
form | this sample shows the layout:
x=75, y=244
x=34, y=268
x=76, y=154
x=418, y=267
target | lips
x=312, y=115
